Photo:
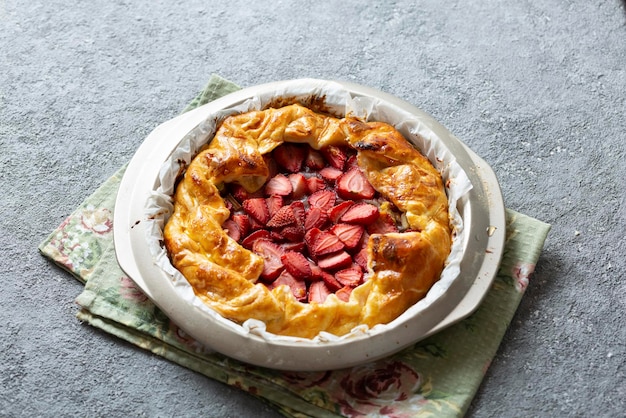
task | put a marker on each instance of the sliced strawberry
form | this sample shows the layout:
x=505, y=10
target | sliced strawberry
x=310, y=237
x=297, y=265
x=274, y=203
x=360, y=259
x=297, y=287
x=315, y=160
x=316, y=271
x=335, y=261
x=298, y=184
x=336, y=156
x=241, y=194
x=292, y=233
x=276, y=236
x=364, y=239
x=243, y=223
x=352, y=276
x=354, y=185
x=318, y=292
x=299, y=212
x=315, y=184
x=272, y=167
x=337, y=211
x=257, y=209
x=344, y=293
x=330, y=174
x=323, y=199
x=271, y=254
x=254, y=224
x=283, y=217
x=352, y=162
x=349, y=234
x=383, y=225
x=315, y=218
x=290, y=156
x=361, y=213
x=232, y=229
x=324, y=243
x=278, y=185
x=248, y=242
x=293, y=246
x=331, y=282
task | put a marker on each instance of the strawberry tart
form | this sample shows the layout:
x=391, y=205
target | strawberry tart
x=308, y=222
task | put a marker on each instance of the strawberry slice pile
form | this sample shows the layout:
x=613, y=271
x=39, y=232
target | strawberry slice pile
x=311, y=221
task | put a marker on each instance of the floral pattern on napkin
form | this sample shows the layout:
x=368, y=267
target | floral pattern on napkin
x=436, y=377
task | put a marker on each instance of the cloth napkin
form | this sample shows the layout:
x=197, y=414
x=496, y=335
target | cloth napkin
x=435, y=377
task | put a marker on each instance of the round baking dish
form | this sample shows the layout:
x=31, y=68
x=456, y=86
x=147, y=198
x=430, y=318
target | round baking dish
x=481, y=209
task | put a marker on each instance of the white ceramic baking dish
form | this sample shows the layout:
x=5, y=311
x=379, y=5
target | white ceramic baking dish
x=481, y=209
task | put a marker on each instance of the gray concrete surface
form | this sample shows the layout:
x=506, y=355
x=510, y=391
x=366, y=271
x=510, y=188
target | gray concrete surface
x=536, y=88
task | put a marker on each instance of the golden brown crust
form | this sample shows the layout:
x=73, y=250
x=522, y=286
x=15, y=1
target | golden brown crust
x=403, y=266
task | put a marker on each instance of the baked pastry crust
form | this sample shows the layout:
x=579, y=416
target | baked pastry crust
x=402, y=265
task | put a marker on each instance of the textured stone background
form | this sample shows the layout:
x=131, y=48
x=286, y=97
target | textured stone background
x=536, y=88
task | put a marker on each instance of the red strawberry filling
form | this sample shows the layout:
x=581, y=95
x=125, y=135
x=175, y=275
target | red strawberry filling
x=311, y=221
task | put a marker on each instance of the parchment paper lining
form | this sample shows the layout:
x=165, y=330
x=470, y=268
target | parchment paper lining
x=339, y=101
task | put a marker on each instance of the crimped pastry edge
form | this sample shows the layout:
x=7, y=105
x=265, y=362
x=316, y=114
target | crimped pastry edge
x=336, y=98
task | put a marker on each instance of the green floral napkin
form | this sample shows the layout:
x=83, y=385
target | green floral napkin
x=436, y=377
